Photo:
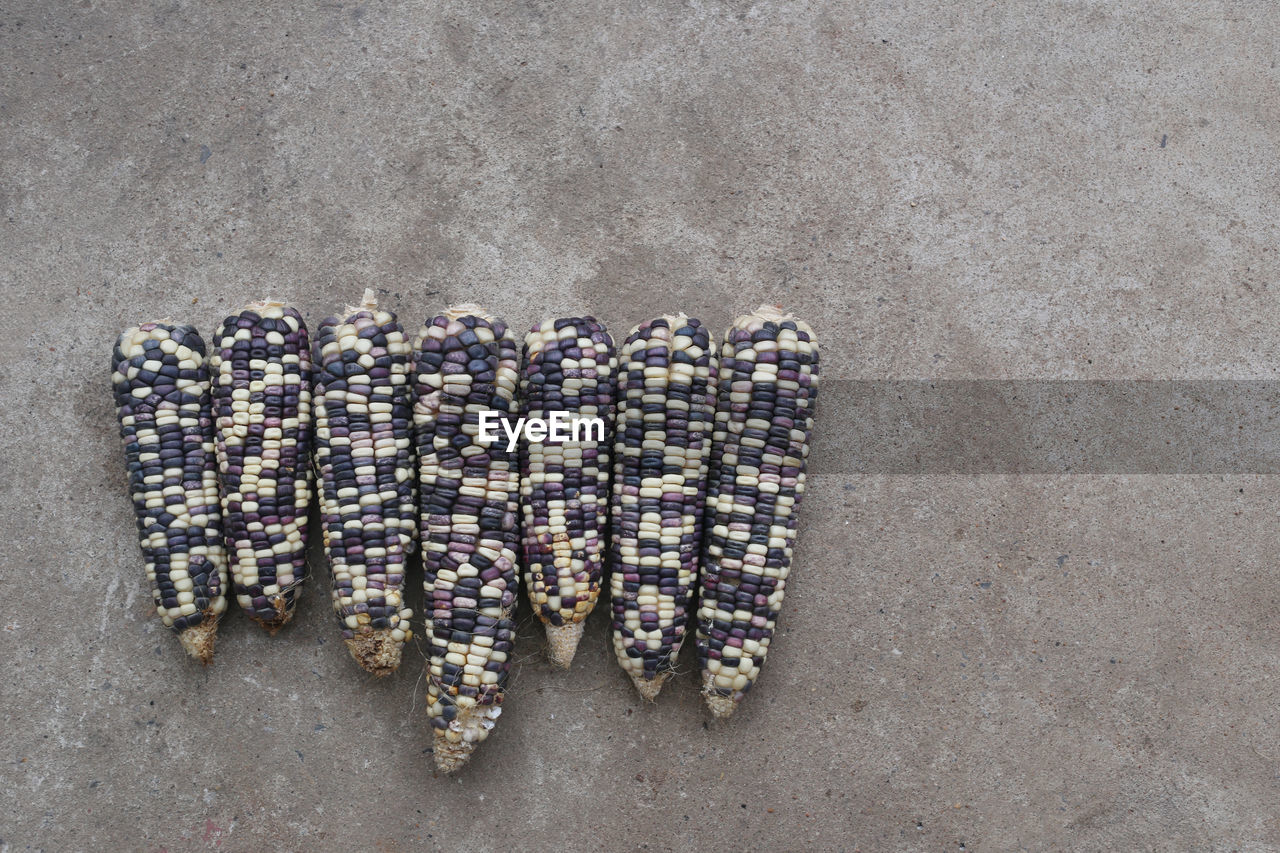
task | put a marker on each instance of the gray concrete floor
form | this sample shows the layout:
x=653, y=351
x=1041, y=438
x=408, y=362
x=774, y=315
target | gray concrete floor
x=1014, y=189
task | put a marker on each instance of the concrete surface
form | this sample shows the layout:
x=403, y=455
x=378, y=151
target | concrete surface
x=1014, y=189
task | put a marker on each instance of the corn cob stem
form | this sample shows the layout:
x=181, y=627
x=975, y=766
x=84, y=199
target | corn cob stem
x=569, y=368
x=764, y=417
x=198, y=641
x=563, y=642
x=261, y=371
x=161, y=385
x=466, y=364
x=364, y=461
x=666, y=412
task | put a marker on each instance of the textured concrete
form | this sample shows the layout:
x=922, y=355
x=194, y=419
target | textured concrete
x=1040, y=190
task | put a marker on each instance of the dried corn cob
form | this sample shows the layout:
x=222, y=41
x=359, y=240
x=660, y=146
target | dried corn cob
x=364, y=461
x=161, y=385
x=666, y=413
x=569, y=368
x=261, y=369
x=465, y=365
x=768, y=387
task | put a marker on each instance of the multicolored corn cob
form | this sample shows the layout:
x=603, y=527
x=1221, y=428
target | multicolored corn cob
x=261, y=369
x=666, y=415
x=569, y=372
x=768, y=387
x=364, y=461
x=161, y=385
x=466, y=365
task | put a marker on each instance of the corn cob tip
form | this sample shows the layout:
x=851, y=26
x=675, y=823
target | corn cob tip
x=198, y=640
x=466, y=309
x=763, y=314
x=675, y=321
x=722, y=707
x=368, y=302
x=377, y=652
x=264, y=304
x=562, y=642
x=649, y=688
x=284, y=613
x=770, y=314
x=451, y=757
x=455, y=743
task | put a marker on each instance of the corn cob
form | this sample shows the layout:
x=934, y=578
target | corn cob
x=161, y=385
x=466, y=364
x=569, y=367
x=764, y=416
x=364, y=461
x=666, y=412
x=261, y=369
